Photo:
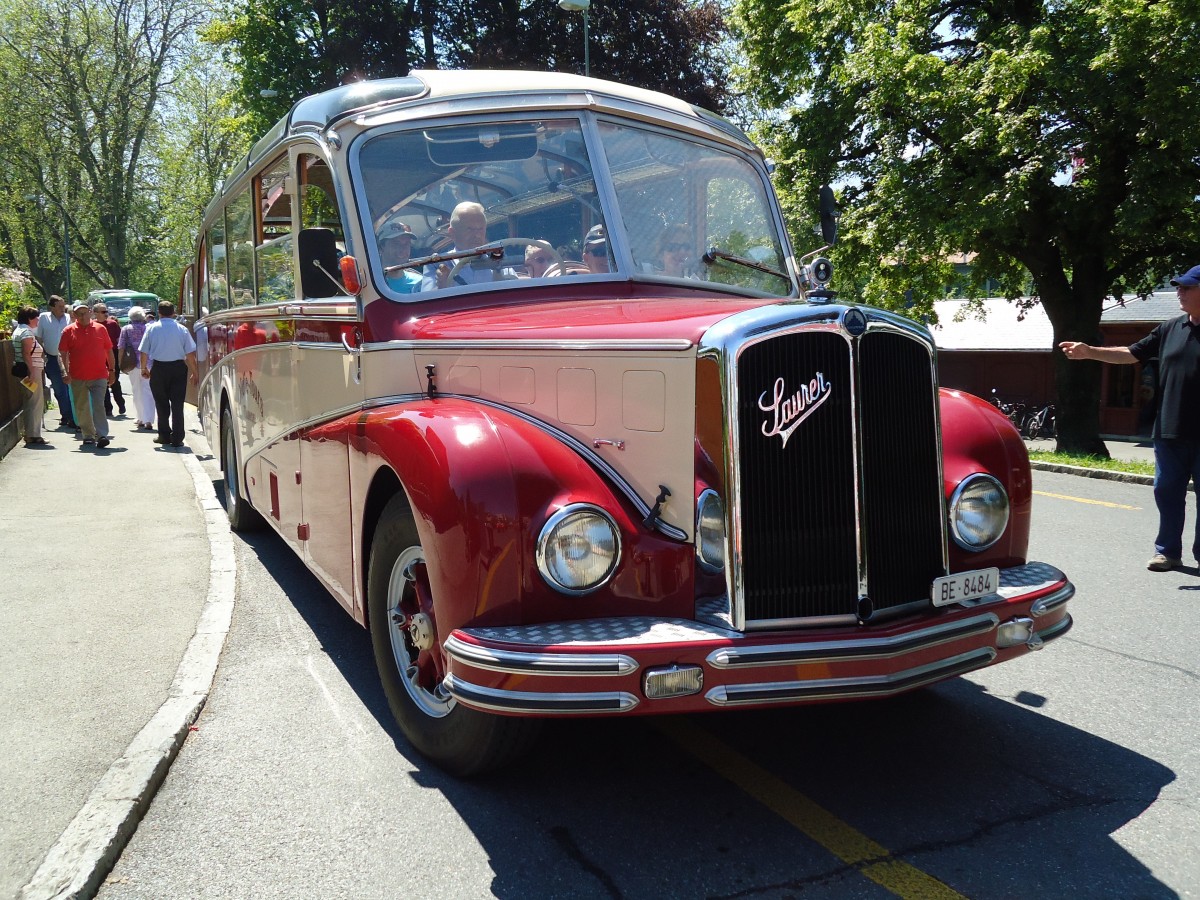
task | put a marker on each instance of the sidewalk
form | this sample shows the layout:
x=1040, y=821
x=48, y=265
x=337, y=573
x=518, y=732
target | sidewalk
x=109, y=569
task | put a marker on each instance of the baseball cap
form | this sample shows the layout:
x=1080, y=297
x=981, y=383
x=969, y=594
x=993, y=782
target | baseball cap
x=1190, y=278
x=395, y=228
x=596, y=236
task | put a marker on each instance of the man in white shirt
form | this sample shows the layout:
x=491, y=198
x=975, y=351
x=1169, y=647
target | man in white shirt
x=49, y=331
x=468, y=229
x=171, y=348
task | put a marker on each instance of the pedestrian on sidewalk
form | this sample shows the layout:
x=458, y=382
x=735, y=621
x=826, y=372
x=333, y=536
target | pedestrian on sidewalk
x=28, y=352
x=114, y=394
x=89, y=368
x=139, y=387
x=1176, y=345
x=168, y=355
x=48, y=332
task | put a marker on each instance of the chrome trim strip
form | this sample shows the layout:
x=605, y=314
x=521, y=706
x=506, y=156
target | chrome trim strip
x=836, y=688
x=516, y=662
x=854, y=648
x=1057, y=630
x=1051, y=602
x=672, y=345
x=546, y=704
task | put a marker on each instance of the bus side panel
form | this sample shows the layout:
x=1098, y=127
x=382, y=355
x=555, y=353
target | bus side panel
x=328, y=550
x=482, y=484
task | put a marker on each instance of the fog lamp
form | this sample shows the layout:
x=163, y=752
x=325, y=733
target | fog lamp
x=710, y=531
x=672, y=681
x=1017, y=631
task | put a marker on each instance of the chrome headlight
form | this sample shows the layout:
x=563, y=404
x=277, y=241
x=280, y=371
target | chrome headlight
x=710, y=531
x=978, y=512
x=578, y=549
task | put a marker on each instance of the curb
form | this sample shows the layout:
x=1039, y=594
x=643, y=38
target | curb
x=1107, y=475
x=90, y=846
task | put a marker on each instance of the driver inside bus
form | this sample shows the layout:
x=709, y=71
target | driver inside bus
x=468, y=229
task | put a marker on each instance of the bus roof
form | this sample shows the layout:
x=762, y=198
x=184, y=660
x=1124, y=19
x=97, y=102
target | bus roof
x=491, y=89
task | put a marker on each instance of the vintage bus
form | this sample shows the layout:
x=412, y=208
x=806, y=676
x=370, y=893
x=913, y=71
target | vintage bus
x=524, y=369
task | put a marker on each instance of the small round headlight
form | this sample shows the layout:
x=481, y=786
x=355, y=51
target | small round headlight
x=578, y=549
x=710, y=531
x=978, y=512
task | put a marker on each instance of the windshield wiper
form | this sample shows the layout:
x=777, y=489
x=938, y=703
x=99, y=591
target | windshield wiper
x=712, y=254
x=495, y=251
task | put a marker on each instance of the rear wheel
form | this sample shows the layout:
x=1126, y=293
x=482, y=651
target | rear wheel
x=402, y=614
x=242, y=516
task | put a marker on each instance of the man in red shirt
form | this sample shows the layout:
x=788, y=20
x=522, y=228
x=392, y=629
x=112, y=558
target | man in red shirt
x=100, y=315
x=86, y=355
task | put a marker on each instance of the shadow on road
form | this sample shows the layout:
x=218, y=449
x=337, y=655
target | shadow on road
x=987, y=795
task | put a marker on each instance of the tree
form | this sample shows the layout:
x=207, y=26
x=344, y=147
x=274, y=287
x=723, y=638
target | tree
x=85, y=80
x=291, y=48
x=1052, y=138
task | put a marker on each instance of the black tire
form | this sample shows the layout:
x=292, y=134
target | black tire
x=1035, y=428
x=459, y=740
x=242, y=516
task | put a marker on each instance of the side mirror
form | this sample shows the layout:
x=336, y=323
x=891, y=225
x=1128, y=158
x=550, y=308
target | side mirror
x=319, y=272
x=829, y=215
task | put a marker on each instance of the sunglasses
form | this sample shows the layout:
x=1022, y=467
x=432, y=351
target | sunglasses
x=598, y=249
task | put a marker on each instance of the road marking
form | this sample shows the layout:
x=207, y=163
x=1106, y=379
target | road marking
x=1083, y=500
x=842, y=840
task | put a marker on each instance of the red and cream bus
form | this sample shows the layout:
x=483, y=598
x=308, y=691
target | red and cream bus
x=523, y=367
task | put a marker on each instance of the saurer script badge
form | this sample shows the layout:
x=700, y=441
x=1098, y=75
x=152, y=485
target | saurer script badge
x=787, y=412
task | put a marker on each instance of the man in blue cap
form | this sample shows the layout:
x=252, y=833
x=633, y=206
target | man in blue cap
x=1176, y=345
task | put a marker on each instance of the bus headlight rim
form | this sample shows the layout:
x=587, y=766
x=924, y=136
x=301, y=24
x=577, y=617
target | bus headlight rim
x=710, y=531
x=979, y=512
x=578, y=537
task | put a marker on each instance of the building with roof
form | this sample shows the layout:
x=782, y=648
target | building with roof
x=998, y=348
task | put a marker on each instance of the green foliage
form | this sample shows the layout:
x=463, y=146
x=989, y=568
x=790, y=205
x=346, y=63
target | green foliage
x=15, y=292
x=1053, y=139
x=299, y=47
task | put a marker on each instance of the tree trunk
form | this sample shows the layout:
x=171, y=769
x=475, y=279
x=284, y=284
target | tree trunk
x=1076, y=318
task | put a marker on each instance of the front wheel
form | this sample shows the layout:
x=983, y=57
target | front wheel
x=242, y=516
x=402, y=615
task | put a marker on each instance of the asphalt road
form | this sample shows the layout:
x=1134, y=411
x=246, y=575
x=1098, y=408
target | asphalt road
x=1073, y=772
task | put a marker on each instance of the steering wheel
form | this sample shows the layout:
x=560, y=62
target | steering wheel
x=567, y=267
x=507, y=242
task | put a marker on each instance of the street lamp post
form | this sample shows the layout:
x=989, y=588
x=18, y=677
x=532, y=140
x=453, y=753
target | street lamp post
x=580, y=6
x=41, y=201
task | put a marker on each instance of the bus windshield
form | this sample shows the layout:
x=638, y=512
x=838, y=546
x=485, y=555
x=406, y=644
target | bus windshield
x=500, y=203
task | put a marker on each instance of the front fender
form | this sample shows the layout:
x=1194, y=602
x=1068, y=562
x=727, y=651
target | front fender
x=482, y=483
x=977, y=437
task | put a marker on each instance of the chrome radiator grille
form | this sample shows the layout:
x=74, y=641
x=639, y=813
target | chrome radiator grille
x=813, y=526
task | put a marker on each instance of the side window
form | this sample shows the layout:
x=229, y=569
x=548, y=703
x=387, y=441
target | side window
x=273, y=253
x=321, y=236
x=239, y=233
x=215, y=252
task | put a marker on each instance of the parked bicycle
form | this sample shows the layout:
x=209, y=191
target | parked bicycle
x=1015, y=411
x=1041, y=423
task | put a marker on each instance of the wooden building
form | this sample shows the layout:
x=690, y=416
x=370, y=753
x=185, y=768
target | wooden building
x=996, y=351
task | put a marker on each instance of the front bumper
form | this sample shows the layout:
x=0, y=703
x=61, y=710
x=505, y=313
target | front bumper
x=604, y=666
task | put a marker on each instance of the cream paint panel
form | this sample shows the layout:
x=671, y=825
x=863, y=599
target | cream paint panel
x=390, y=373
x=576, y=396
x=325, y=386
x=518, y=384
x=661, y=388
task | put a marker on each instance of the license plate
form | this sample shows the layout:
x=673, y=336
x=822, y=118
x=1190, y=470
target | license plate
x=963, y=586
